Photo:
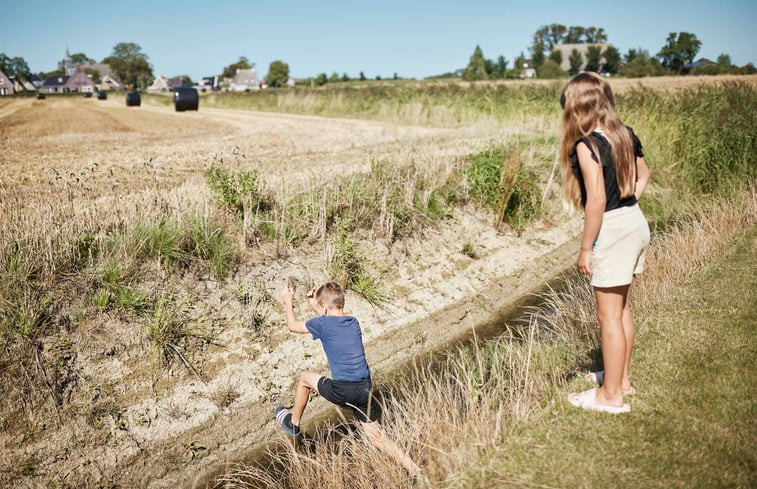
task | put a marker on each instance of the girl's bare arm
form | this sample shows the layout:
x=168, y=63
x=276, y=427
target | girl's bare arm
x=642, y=176
x=595, y=205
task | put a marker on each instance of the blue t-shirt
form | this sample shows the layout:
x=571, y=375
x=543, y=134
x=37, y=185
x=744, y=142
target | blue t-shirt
x=343, y=343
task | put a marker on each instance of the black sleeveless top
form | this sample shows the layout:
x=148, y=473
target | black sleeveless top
x=612, y=192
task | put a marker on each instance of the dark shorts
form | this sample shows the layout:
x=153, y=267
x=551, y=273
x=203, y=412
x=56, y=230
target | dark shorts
x=354, y=395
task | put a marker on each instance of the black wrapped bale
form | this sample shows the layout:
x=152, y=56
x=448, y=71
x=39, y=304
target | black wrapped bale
x=40, y=96
x=102, y=95
x=133, y=99
x=87, y=94
x=185, y=98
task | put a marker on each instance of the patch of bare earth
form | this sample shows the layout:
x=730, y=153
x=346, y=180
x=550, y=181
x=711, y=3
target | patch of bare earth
x=136, y=423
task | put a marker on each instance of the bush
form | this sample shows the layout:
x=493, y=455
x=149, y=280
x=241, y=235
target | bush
x=238, y=191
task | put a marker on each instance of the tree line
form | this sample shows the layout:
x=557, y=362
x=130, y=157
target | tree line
x=675, y=57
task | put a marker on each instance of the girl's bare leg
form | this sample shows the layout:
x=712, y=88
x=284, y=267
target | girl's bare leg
x=629, y=331
x=610, y=304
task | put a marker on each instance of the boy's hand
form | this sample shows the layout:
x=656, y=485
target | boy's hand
x=287, y=295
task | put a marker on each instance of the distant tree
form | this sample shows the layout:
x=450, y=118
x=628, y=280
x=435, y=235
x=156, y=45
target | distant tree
x=575, y=35
x=639, y=63
x=491, y=68
x=130, y=65
x=93, y=74
x=632, y=55
x=395, y=77
x=186, y=81
x=501, y=66
x=576, y=61
x=541, y=42
x=549, y=70
x=321, y=79
x=594, y=35
x=378, y=77
x=612, y=60
x=362, y=76
x=724, y=60
x=231, y=70
x=593, y=59
x=81, y=59
x=747, y=69
x=556, y=56
x=15, y=67
x=476, y=69
x=556, y=34
x=278, y=74
x=345, y=77
x=679, y=49
x=334, y=77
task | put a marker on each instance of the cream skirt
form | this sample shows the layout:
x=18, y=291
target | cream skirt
x=620, y=249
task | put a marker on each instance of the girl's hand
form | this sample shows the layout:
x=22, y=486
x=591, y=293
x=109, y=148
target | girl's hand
x=584, y=262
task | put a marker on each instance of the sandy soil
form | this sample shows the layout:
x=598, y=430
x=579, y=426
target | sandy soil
x=437, y=292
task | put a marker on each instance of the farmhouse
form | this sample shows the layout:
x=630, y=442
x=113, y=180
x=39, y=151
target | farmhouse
x=79, y=81
x=6, y=85
x=164, y=84
x=54, y=84
x=245, y=80
x=526, y=66
x=582, y=48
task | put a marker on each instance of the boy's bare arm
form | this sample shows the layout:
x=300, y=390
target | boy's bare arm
x=293, y=324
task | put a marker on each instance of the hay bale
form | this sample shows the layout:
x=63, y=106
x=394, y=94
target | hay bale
x=133, y=99
x=102, y=95
x=185, y=98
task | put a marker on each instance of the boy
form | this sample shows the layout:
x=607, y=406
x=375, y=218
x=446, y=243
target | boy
x=342, y=341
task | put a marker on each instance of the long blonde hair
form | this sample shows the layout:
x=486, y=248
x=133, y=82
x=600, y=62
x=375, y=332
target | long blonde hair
x=588, y=103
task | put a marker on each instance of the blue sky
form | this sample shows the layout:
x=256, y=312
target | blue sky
x=413, y=39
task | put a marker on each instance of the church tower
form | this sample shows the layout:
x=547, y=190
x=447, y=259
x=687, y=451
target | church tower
x=68, y=66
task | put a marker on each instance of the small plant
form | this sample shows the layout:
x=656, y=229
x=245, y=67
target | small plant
x=238, y=190
x=224, y=396
x=468, y=250
x=169, y=329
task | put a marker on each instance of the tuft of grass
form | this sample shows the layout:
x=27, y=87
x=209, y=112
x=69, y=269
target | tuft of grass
x=169, y=328
x=209, y=241
x=347, y=267
x=161, y=240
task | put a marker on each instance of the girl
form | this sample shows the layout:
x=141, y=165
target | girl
x=604, y=170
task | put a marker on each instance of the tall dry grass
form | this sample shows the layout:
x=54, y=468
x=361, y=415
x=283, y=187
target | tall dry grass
x=453, y=415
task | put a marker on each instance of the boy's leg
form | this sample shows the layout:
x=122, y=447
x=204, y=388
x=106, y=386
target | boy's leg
x=308, y=380
x=377, y=437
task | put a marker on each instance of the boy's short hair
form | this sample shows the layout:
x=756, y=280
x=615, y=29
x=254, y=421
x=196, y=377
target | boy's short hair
x=330, y=294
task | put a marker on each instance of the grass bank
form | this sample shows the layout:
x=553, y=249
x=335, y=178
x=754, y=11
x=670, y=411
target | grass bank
x=496, y=415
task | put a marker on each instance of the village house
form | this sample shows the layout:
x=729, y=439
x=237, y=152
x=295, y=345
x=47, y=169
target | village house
x=53, y=84
x=79, y=81
x=164, y=84
x=6, y=85
x=526, y=67
x=582, y=48
x=244, y=81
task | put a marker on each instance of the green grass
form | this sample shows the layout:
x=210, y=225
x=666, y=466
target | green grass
x=692, y=423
